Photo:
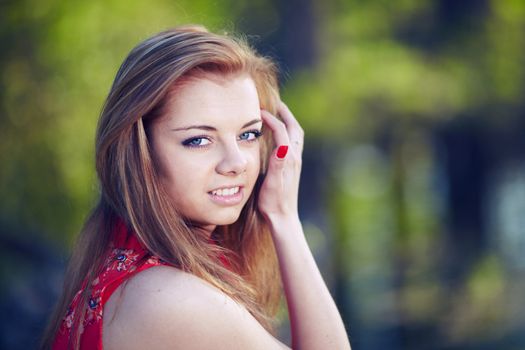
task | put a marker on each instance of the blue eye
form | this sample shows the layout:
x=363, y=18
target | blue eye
x=196, y=142
x=251, y=135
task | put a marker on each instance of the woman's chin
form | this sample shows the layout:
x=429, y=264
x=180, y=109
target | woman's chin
x=217, y=220
x=227, y=220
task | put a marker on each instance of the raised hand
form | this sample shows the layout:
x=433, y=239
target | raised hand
x=279, y=192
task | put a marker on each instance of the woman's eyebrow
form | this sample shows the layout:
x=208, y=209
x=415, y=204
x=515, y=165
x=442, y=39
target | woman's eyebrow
x=255, y=121
x=201, y=127
x=211, y=128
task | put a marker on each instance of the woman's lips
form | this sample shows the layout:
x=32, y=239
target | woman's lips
x=227, y=196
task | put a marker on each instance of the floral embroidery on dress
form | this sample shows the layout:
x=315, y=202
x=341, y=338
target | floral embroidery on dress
x=125, y=257
x=155, y=260
x=95, y=308
x=122, y=259
x=119, y=261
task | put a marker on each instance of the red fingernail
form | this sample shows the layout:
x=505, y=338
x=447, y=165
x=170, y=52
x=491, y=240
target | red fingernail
x=281, y=152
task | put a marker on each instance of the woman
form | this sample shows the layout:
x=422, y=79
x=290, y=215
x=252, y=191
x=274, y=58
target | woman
x=197, y=222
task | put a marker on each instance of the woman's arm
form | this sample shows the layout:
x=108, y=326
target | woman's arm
x=314, y=318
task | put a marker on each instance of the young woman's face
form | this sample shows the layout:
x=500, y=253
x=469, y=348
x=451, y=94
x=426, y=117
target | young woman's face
x=207, y=147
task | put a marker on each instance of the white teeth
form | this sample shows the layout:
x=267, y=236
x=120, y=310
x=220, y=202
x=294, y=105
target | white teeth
x=225, y=191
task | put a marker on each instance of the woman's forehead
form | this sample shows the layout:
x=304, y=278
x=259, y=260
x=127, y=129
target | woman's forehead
x=229, y=101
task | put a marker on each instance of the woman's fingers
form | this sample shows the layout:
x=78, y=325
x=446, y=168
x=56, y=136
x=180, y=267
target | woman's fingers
x=287, y=132
x=280, y=134
x=292, y=124
x=295, y=132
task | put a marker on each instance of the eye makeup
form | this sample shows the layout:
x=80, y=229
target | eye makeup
x=202, y=141
x=256, y=134
x=196, y=142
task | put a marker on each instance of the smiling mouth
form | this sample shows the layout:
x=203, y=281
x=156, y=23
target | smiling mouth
x=226, y=192
x=227, y=196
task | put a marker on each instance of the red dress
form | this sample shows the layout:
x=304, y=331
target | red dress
x=126, y=257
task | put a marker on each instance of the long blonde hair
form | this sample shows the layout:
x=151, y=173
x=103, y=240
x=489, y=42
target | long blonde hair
x=131, y=190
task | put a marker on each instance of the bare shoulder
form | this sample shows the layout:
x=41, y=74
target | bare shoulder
x=166, y=308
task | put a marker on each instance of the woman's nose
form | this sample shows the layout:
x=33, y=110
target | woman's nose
x=233, y=161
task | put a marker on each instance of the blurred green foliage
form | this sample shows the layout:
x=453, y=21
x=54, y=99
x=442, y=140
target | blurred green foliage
x=389, y=59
